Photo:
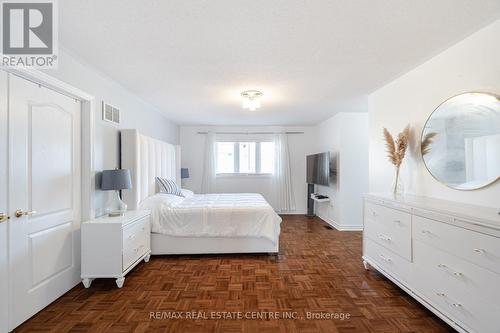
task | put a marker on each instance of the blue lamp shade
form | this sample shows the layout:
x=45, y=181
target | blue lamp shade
x=115, y=180
x=184, y=173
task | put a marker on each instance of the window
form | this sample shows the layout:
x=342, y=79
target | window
x=245, y=157
x=225, y=157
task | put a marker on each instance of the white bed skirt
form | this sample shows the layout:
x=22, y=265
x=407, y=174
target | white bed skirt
x=164, y=244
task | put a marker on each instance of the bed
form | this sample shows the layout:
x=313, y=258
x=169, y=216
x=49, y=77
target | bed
x=196, y=223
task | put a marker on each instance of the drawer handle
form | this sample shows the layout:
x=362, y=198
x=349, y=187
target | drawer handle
x=374, y=213
x=428, y=232
x=384, y=258
x=131, y=236
x=454, y=304
x=385, y=238
x=397, y=221
x=456, y=273
x=138, y=248
x=480, y=251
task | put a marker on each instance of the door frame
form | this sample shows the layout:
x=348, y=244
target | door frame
x=88, y=173
x=4, y=245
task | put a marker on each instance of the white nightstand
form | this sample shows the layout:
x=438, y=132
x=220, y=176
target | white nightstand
x=112, y=246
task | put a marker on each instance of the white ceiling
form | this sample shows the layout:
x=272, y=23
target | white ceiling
x=310, y=58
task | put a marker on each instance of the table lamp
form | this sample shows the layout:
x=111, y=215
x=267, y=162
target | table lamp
x=116, y=180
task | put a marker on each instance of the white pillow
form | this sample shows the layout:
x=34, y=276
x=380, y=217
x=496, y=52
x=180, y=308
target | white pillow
x=159, y=199
x=187, y=193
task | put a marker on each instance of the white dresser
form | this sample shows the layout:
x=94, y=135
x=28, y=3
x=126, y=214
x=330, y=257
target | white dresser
x=112, y=246
x=444, y=254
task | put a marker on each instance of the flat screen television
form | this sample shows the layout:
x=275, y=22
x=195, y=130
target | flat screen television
x=322, y=169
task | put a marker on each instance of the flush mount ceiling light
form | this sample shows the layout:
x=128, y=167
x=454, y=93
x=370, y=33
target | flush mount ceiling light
x=251, y=99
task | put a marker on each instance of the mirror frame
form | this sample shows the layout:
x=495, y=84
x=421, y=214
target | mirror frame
x=497, y=96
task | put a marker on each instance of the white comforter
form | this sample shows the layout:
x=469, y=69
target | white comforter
x=213, y=215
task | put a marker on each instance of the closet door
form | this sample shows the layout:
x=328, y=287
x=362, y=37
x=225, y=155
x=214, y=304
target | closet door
x=3, y=205
x=44, y=192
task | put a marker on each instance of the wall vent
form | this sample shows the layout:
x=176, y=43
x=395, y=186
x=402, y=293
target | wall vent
x=110, y=113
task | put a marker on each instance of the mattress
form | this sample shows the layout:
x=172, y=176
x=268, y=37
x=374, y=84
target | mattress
x=213, y=215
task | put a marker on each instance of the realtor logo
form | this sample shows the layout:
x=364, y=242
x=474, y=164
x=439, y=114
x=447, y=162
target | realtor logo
x=29, y=33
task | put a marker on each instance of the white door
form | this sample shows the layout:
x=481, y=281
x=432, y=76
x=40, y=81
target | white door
x=44, y=186
x=3, y=205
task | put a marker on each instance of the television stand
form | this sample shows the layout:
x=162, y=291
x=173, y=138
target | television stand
x=310, y=200
x=319, y=197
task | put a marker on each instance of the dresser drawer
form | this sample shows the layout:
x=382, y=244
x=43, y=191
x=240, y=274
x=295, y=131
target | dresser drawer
x=136, y=241
x=390, y=228
x=467, y=312
x=387, y=260
x=463, y=277
x=462, y=296
x=477, y=248
x=385, y=215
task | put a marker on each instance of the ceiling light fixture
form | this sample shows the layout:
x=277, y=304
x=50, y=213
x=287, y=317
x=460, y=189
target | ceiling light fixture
x=251, y=99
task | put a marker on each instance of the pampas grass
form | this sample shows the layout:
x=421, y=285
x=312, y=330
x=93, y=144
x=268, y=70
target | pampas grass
x=426, y=142
x=396, y=149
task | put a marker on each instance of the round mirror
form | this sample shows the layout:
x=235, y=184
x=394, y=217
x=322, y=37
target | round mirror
x=461, y=141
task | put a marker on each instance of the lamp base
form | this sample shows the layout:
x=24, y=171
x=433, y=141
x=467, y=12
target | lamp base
x=115, y=214
x=115, y=206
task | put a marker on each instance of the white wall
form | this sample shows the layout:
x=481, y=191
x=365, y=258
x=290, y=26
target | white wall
x=135, y=113
x=471, y=65
x=193, y=147
x=346, y=134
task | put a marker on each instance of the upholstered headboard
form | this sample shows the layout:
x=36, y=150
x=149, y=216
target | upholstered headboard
x=147, y=158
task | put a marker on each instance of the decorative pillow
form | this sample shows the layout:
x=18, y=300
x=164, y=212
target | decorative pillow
x=168, y=186
x=160, y=200
x=187, y=193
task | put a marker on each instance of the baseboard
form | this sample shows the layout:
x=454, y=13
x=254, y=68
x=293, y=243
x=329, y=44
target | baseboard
x=340, y=227
x=293, y=212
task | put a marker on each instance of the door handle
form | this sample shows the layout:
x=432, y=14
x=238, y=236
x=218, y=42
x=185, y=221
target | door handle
x=4, y=217
x=19, y=213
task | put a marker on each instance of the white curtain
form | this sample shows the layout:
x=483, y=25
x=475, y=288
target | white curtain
x=209, y=165
x=282, y=176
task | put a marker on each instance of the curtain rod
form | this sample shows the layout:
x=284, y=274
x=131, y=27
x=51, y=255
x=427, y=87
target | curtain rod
x=245, y=133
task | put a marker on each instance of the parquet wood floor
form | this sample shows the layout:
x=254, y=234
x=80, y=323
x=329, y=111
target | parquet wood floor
x=317, y=270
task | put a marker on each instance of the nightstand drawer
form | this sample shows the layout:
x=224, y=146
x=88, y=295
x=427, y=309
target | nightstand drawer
x=133, y=253
x=136, y=240
x=135, y=230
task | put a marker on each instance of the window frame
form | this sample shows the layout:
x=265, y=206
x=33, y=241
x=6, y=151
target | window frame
x=236, y=161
